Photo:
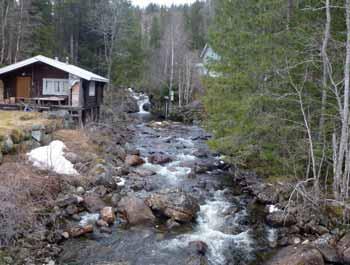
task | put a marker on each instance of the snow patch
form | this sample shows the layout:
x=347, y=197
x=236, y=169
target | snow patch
x=51, y=157
x=272, y=208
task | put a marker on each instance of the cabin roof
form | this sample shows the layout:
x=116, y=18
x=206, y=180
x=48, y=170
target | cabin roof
x=66, y=67
x=204, y=50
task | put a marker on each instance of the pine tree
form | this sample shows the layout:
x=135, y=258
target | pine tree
x=155, y=34
x=251, y=105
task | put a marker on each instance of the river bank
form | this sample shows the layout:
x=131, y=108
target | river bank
x=151, y=192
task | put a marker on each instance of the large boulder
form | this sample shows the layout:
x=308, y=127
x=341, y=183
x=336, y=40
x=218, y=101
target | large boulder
x=326, y=244
x=174, y=204
x=79, y=231
x=129, y=104
x=279, y=219
x=267, y=195
x=159, y=159
x=134, y=160
x=68, y=200
x=143, y=172
x=7, y=145
x=135, y=211
x=343, y=248
x=297, y=255
x=93, y=203
x=198, y=247
x=196, y=260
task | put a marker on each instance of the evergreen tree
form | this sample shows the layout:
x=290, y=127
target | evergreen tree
x=252, y=103
x=155, y=34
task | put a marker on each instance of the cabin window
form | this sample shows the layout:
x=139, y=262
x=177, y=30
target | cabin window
x=92, y=89
x=58, y=87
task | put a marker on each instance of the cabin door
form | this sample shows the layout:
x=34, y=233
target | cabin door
x=23, y=85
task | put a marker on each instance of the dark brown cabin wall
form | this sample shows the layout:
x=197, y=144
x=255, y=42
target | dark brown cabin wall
x=89, y=102
x=37, y=72
x=99, y=93
x=42, y=71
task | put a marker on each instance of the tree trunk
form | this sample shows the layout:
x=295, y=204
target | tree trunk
x=172, y=65
x=19, y=30
x=3, y=32
x=343, y=141
x=325, y=67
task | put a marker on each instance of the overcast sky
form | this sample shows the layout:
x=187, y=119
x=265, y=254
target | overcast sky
x=144, y=3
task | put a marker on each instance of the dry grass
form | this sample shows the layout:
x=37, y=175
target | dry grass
x=24, y=193
x=76, y=141
x=18, y=120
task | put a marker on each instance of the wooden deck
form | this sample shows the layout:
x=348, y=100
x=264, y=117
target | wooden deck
x=80, y=114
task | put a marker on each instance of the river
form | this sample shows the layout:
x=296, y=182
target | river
x=228, y=221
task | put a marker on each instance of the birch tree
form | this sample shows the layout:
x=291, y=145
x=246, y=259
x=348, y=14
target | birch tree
x=109, y=21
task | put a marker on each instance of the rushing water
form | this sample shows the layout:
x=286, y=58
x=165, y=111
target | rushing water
x=142, y=101
x=228, y=222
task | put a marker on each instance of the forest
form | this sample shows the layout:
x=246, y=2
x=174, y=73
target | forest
x=275, y=101
x=281, y=104
x=155, y=48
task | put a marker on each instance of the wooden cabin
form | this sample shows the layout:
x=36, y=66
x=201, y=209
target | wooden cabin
x=41, y=83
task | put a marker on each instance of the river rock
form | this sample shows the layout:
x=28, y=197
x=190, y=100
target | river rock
x=116, y=197
x=343, y=248
x=67, y=200
x=133, y=151
x=197, y=260
x=65, y=235
x=130, y=105
x=171, y=224
x=72, y=209
x=7, y=145
x=198, y=247
x=106, y=179
x=108, y=215
x=267, y=195
x=159, y=159
x=134, y=160
x=297, y=255
x=72, y=157
x=146, y=106
x=174, y=204
x=80, y=190
x=118, y=151
x=135, y=211
x=101, y=223
x=201, y=153
x=93, y=203
x=79, y=231
x=105, y=230
x=326, y=245
x=142, y=172
x=279, y=219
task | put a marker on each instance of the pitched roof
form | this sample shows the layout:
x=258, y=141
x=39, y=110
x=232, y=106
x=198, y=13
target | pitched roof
x=204, y=50
x=69, y=68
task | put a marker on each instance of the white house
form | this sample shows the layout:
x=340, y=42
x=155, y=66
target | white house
x=207, y=56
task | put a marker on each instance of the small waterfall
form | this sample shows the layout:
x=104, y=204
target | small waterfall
x=210, y=221
x=142, y=101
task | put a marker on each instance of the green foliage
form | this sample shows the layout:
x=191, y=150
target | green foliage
x=155, y=33
x=194, y=23
x=128, y=64
x=252, y=107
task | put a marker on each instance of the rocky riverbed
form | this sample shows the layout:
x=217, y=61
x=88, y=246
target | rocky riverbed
x=176, y=203
x=151, y=192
